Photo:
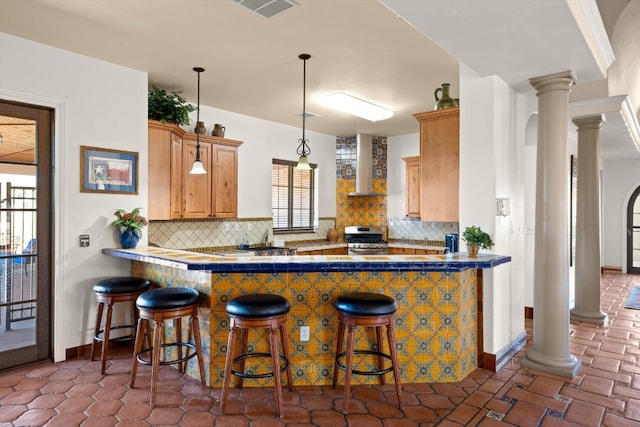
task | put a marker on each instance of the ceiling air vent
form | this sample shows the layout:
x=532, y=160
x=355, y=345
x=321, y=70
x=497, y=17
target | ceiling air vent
x=268, y=8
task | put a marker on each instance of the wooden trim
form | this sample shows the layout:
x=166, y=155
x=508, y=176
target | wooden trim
x=487, y=361
x=611, y=268
x=192, y=136
x=84, y=351
x=480, y=322
x=528, y=312
x=438, y=114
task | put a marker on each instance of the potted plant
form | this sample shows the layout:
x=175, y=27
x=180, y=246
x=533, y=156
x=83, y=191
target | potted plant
x=129, y=227
x=476, y=239
x=168, y=107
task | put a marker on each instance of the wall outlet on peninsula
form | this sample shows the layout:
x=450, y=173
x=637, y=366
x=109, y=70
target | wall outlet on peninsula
x=304, y=333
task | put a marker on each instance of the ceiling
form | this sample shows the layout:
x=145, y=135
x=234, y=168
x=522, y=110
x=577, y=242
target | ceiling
x=358, y=46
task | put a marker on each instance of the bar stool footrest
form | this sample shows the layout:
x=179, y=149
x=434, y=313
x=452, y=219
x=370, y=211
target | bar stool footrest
x=283, y=366
x=369, y=352
x=145, y=361
x=100, y=335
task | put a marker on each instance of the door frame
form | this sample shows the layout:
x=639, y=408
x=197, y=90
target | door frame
x=45, y=120
x=629, y=227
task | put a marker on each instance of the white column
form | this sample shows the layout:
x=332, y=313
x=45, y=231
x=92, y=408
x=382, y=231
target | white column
x=587, y=305
x=550, y=351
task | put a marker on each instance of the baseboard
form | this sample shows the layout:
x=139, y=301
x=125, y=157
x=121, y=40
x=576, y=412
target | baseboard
x=487, y=361
x=84, y=351
x=493, y=362
x=611, y=268
x=528, y=312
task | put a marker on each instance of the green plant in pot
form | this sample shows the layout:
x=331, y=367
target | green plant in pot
x=168, y=107
x=476, y=239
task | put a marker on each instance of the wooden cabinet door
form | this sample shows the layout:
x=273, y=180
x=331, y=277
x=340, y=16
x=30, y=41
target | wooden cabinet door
x=413, y=186
x=176, y=177
x=165, y=173
x=224, y=181
x=196, y=194
x=334, y=251
x=439, y=164
x=401, y=251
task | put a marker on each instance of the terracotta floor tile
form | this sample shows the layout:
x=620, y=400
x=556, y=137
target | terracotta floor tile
x=606, y=390
x=583, y=413
x=545, y=386
x=34, y=417
x=597, y=385
x=525, y=414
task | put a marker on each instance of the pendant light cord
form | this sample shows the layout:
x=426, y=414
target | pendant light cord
x=198, y=70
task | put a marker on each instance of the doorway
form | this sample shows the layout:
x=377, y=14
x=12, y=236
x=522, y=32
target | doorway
x=26, y=195
x=633, y=233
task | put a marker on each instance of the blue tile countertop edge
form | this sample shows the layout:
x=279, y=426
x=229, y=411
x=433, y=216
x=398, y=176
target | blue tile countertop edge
x=186, y=260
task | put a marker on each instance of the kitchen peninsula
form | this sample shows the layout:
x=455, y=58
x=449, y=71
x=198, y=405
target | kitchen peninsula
x=436, y=321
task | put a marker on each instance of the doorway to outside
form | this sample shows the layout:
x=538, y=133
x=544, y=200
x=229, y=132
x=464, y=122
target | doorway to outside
x=26, y=134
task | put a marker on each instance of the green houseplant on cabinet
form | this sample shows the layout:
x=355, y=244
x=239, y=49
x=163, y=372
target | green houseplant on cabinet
x=168, y=107
x=476, y=238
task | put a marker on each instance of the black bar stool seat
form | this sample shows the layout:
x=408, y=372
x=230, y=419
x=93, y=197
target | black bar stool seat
x=368, y=310
x=108, y=292
x=158, y=305
x=264, y=311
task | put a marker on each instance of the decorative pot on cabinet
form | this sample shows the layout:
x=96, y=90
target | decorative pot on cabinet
x=332, y=235
x=444, y=100
x=218, y=130
x=200, y=128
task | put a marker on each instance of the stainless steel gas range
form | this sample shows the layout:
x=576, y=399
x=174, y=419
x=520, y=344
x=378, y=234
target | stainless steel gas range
x=365, y=241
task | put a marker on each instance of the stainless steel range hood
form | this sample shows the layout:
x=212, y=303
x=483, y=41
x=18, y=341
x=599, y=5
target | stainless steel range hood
x=364, y=166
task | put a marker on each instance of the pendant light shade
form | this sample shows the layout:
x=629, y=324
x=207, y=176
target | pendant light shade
x=303, y=143
x=198, y=168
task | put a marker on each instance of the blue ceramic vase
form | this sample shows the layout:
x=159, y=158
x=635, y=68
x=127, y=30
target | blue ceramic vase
x=128, y=239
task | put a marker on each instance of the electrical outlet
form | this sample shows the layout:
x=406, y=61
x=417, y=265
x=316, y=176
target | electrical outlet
x=249, y=226
x=304, y=333
x=84, y=240
x=227, y=226
x=237, y=227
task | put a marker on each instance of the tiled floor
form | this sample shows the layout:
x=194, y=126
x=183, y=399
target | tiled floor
x=605, y=392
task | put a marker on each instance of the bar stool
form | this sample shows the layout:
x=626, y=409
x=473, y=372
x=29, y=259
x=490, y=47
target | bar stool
x=158, y=305
x=368, y=310
x=108, y=292
x=257, y=311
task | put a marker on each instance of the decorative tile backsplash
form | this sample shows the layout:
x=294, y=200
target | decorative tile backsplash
x=225, y=233
x=415, y=230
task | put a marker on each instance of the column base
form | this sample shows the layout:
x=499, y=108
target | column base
x=563, y=366
x=597, y=317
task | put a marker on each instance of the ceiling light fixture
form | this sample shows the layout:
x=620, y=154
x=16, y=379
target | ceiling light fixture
x=356, y=106
x=303, y=147
x=198, y=167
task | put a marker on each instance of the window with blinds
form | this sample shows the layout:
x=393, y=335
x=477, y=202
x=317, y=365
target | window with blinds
x=292, y=197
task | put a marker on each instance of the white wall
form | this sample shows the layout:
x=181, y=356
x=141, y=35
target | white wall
x=263, y=141
x=619, y=179
x=96, y=104
x=492, y=165
x=397, y=148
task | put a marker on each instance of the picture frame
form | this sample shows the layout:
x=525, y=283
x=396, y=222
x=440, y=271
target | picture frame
x=104, y=170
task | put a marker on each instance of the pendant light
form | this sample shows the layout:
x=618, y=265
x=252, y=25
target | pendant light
x=303, y=147
x=198, y=167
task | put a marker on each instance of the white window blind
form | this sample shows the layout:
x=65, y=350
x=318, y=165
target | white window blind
x=292, y=196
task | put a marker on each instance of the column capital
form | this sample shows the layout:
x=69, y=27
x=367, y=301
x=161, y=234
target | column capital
x=594, y=121
x=557, y=81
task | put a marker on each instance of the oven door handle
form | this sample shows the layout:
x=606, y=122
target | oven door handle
x=371, y=251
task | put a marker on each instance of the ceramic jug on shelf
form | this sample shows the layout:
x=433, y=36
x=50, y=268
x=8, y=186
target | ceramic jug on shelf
x=218, y=130
x=444, y=100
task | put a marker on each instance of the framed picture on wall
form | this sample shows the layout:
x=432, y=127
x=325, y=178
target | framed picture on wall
x=108, y=171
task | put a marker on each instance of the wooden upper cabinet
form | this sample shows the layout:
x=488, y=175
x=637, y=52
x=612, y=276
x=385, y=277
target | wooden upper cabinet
x=413, y=186
x=439, y=164
x=165, y=173
x=174, y=192
x=196, y=189
x=225, y=181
